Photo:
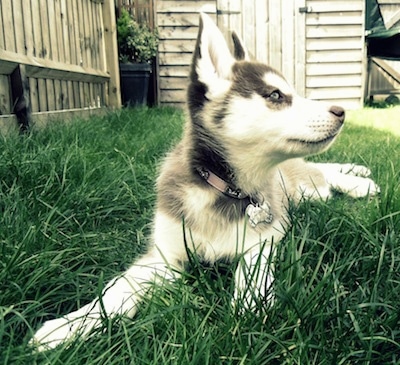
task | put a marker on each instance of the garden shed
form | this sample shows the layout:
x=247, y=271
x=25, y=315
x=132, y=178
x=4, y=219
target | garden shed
x=383, y=47
x=319, y=45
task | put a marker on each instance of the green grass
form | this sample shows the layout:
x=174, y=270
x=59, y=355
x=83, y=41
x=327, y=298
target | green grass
x=76, y=201
x=383, y=118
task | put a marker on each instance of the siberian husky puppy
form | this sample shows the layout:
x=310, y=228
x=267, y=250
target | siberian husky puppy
x=230, y=180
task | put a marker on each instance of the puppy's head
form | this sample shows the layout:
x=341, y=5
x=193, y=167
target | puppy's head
x=250, y=107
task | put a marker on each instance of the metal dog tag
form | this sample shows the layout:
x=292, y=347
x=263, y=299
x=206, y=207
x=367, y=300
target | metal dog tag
x=259, y=214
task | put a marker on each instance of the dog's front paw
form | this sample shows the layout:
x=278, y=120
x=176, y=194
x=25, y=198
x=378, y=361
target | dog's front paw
x=51, y=334
x=364, y=187
x=59, y=331
x=355, y=170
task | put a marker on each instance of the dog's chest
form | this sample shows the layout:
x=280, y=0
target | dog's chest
x=222, y=228
x=213, y=244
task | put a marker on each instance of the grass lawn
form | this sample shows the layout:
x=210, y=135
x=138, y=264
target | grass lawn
x=385, y=119
x=75, y=208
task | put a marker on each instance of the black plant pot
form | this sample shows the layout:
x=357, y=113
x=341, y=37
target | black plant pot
x=134, y=83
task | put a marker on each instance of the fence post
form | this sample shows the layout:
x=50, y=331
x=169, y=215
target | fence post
x=20, y=97
x=111, y=53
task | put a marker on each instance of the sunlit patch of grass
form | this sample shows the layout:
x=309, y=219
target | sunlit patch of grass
x=385, y=119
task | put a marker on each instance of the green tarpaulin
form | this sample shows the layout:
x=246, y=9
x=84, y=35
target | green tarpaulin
x=382, y=42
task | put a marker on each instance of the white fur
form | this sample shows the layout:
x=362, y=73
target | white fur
x=263, y=144
x=216, y=62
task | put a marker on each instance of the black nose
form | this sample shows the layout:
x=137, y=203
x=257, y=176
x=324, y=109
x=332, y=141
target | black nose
x=338, y=112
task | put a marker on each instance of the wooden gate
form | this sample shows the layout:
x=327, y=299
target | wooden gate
x=335, y=51
x=273, y=32
x=317, y=44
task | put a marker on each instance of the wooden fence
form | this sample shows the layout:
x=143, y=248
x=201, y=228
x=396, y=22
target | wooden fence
x=383, y=77
x=141, y=10
x=57, y=56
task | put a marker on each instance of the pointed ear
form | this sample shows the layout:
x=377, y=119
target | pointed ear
x=212, y=60
x=240, y=51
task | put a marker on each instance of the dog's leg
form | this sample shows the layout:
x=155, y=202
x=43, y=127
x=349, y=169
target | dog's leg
x=349, y=179
x=120, y=296
x=345, y=168
x=254, y=277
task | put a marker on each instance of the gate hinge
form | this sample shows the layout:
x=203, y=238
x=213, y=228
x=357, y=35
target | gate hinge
x=305, y=9
x=228, y=12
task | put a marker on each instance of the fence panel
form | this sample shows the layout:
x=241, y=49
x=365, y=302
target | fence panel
x=69, y=56
x=141, y=10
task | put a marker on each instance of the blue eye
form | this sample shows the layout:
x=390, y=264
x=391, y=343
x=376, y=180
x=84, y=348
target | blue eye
x=275, y=95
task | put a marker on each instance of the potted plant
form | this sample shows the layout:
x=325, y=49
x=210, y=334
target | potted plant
x=137, y=45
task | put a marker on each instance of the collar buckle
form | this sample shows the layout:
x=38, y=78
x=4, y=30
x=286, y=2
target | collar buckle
x=219, y=184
